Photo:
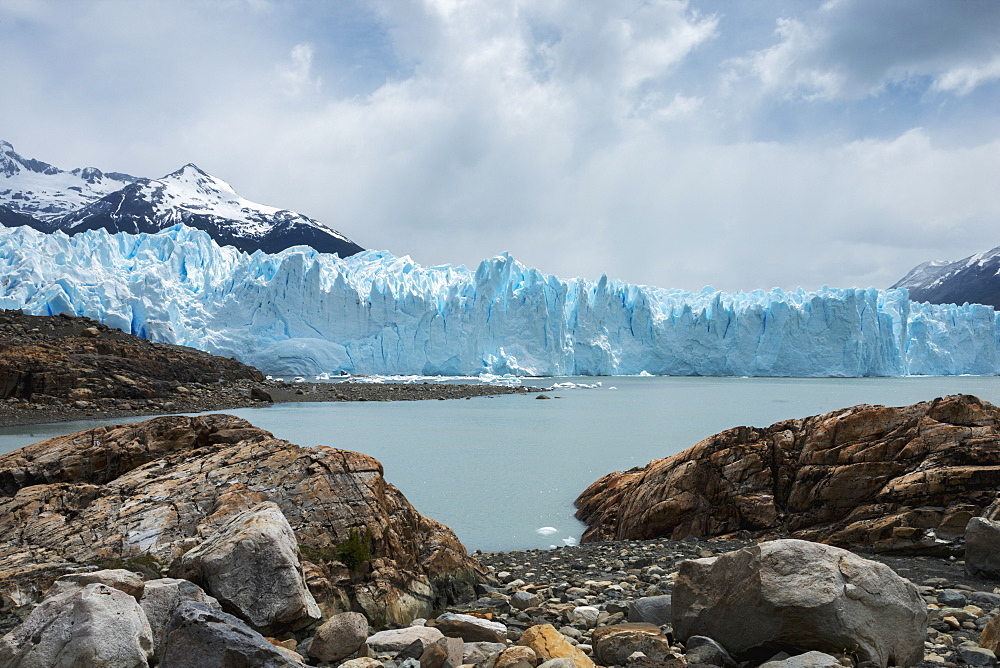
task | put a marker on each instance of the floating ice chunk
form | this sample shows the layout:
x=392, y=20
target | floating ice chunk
x=644, y=373
x=569, y=541
x=546, y=531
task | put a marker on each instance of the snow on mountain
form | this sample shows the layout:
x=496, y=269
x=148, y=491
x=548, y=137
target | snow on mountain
x=973, y=280
x=38, y=190
x=48, y=199
x=299, y=311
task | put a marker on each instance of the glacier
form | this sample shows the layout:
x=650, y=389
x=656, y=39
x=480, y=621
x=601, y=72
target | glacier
x=301, y=312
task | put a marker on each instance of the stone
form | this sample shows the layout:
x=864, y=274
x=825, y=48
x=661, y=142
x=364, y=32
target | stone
x=362, y=662
x=990, y=635
x=116, y=578
x=872, y=476
x=434, y=656
x=394, y=641
x=808, y=660
x=522, y=600
x=455, y=647
x=614, y=644
x=982, y=548
x=548, y=643
x=701, y=649
x=477, y=652
x=96, y=625
x=339, y=637
x=160, y=599
x=517, y=656
x=90, y=333
x=650, y=609
x=140, y=492
x=586, y=615
x=977, y=656
x=251, y=565
x=952, y=598
x=807, y=596
x=200, y=637
x=469, y=628
x=260, y=394
x=559, y=662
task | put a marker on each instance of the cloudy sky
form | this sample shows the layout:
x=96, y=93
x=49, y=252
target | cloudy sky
x=739, y=145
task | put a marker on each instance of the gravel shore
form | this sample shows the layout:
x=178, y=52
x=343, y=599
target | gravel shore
x=547, y=586
x=199, y=398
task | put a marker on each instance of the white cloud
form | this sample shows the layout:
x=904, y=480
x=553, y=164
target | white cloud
x=297, y=74
x=963, y=80
x=583, y=137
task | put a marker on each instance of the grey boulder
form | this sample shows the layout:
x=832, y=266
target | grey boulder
x=982, y=548
x=394, y=641
x=116, y=578
x=651, y=609
x=339, y=637
x=801, y=595
x=160, y=599
x=95, y=625
x=200, y=637
x=251, y=565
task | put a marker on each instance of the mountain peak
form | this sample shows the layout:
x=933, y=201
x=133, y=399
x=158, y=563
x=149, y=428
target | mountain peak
x=6, y=146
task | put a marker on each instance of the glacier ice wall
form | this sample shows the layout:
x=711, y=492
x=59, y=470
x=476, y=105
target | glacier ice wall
x=300, y=312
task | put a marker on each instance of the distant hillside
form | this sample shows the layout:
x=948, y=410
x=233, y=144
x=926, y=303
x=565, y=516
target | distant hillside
x=974, y=280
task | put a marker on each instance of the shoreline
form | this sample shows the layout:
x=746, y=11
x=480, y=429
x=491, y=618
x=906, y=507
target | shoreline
x=241, y=394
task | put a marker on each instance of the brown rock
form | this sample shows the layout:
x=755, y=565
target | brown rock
x=614, y=644
x=990, y=637
x=433, y=656
x=548, y=643
x=866, y=475
x=518, y=656
x=158, y=488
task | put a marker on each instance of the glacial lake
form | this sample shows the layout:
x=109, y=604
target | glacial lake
x=498, y=469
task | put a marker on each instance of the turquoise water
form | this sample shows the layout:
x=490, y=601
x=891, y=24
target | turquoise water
x=497, y=469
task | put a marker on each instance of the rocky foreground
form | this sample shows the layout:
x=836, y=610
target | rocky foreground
x=59, y=368
x=194, y=542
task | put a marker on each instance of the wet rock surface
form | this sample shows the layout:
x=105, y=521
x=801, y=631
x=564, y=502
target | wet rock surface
x=899, y=480
x=60, y=368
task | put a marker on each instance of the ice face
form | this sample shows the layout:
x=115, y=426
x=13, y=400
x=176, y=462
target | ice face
x=301, y=312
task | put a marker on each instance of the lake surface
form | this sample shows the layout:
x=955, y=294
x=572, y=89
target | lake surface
x=498, y=469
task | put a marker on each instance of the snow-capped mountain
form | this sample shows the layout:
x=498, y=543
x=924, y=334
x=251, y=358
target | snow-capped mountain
x=39, y=191
x=38, y=195
x=973, y=280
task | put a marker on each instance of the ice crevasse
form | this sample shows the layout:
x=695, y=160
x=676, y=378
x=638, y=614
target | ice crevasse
x=300, y=311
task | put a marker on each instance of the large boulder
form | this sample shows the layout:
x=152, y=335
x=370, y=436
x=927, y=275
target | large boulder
x=897, y=479
x=200, y=637
x=153, y=490
x=161, y=597
x=95, y=625
x=251, y=566
x=807, y=596
x=982, y=548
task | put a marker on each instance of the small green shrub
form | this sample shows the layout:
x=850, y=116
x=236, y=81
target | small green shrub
x=353, y=552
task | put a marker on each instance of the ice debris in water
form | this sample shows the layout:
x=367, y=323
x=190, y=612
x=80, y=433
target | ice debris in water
x=300, y=312
x=546, y=531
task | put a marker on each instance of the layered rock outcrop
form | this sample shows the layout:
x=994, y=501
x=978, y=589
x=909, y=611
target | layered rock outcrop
x=897, y=479
x=146, y=493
